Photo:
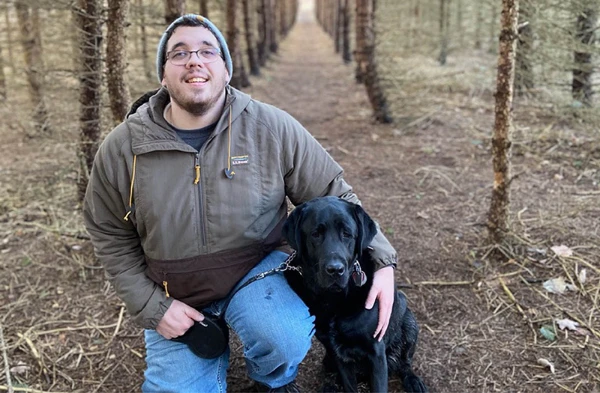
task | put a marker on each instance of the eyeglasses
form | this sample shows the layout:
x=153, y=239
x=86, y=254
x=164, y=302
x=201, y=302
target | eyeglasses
x=181, y=57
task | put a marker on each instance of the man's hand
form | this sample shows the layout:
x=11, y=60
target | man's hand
x=177, y=320
x=382, y=290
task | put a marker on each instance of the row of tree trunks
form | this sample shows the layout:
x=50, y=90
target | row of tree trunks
x=88, y=16
x=31, y=42
x=334, y=17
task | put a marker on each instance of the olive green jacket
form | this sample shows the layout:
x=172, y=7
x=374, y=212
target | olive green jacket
x=199, y=221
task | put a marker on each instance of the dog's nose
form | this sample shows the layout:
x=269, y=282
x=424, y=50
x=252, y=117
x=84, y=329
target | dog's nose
x=335, y=269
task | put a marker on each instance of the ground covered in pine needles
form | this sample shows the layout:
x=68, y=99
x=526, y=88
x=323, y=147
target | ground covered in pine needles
x=492, y=319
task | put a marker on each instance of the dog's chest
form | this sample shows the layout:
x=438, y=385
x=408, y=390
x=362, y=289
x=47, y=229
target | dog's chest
x=350, y=337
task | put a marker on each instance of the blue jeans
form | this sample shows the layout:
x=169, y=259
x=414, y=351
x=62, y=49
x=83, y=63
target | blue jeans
x=272, y=322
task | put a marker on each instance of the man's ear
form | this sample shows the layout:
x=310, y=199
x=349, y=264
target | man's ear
x=291, y=231
x=366, y=229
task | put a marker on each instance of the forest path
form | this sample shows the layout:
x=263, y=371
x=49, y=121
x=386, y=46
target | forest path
x=408, y=183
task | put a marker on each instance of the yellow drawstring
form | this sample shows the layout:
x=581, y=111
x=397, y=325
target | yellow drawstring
x=130, y=208
x=166, y=289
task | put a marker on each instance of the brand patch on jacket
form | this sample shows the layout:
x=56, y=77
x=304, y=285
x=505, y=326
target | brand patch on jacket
x=239, y=160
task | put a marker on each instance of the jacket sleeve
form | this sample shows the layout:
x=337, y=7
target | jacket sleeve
x=116, y=242
x=311, y=172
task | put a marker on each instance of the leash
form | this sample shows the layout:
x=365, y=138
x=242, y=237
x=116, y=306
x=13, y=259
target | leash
x=284, y=266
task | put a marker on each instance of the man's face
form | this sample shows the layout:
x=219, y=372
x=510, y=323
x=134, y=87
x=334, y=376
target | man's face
x=195, y=87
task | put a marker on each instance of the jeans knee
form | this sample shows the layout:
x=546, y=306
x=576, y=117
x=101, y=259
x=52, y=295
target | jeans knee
x=277, y=351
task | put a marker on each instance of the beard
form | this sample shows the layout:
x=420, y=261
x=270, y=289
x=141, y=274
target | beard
x=197, y=106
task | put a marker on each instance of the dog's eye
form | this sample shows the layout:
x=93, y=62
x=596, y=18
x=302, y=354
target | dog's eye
x=347, y=235
x=315, y=234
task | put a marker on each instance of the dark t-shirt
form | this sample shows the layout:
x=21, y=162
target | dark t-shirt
x=195, y=138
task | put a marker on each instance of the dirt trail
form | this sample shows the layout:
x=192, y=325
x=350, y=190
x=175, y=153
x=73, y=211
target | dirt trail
x=408, y=184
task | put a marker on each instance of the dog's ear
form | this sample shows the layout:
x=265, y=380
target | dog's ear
x=366, y=229
x=291, y=228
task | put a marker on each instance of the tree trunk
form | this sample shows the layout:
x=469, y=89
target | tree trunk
x=203, y=5
x=338, y=24
x=147, y=64
x=239, y=78
x=34, y=65
x=444, y=30
x=282, y=18
x=584, y=67
x=173, y=10
x=478, y=26
x=523, y=62
x=365, y=56
x=273, y=43
x=346, y=55
x=250, y=41
x=263, y=28
x=9, y=40
x=90, y=80
x=502, y=139
x=2, y=77
x=116, y=63
x=493, y=33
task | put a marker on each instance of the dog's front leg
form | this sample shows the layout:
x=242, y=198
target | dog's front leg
x=379, y=369
x=347, y=375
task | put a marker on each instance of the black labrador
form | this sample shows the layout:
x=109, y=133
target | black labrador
x=330, y=236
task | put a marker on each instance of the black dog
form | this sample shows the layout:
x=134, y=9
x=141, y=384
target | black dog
x=330, y=236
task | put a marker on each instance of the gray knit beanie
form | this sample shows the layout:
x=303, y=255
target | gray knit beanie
x=190, y=20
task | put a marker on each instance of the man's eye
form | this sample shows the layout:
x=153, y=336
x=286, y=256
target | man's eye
x=208, y=52
x=179, y=54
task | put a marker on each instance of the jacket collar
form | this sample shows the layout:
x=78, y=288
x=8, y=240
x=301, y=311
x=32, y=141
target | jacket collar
x=151, y=132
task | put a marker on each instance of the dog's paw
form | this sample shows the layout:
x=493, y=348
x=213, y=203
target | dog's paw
x=414, y=384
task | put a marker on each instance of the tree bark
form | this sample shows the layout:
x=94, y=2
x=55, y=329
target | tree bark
x=116, y=62
x=444, y=30
x=478, y=26
x=338, y=25
x=498, y=224
x=250, y=41
x=90, y=80
x=173, y=10
x=2, y=77
x=583, y=71
x=263, y=29
x=34, y=65
x=524, y=80
x=273, y=39
x=147, y=64
x=365, y=56
x=9, y=40
x=203, y=5
x=346, y=55
x=239, y=78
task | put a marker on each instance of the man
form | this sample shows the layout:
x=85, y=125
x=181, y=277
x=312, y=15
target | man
x=185, y=203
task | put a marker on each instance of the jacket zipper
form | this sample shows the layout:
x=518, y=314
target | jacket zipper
x=200, y=202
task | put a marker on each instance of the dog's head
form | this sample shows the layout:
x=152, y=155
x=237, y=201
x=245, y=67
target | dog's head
x=329, y=234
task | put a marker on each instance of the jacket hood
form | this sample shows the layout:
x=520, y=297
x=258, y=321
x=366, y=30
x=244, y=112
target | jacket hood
x=151, y=132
